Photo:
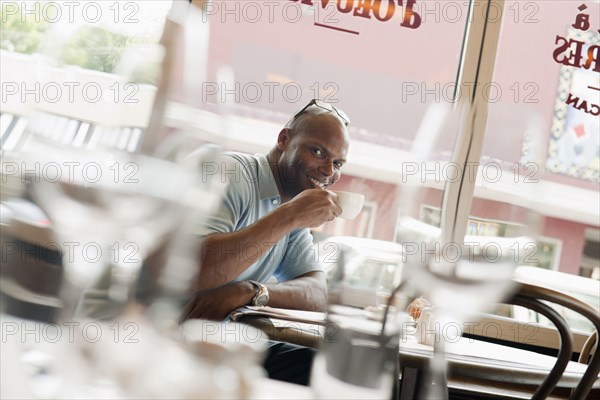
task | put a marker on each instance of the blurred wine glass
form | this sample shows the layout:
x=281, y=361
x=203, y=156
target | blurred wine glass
x=359, y=355
x=462, y=273
x=112, y=205
x=123, y=218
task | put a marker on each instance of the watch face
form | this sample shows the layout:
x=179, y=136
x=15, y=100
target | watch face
x=261, y=300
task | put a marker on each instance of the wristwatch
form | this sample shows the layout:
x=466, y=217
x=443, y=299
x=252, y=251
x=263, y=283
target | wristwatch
x=261, y=298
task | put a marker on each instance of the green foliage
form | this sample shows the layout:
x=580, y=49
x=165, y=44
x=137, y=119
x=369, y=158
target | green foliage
x=20, y=33
x=91, y=47
x=96, y=48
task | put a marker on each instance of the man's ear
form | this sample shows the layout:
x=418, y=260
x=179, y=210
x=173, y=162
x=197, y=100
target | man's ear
x=283, y=139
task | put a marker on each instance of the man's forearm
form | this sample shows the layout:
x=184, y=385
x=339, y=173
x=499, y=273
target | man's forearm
x=224, y=256
x=215, y=304
x=307, y=292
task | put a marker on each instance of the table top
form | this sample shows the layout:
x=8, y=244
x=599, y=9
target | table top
x=36, y=356
x=467, y=358
x=470, y=358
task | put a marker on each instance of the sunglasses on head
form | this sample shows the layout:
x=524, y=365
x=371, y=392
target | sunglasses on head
x=325, y=106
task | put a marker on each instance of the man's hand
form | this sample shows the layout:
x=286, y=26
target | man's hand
x=313, y=207
x=216, y=304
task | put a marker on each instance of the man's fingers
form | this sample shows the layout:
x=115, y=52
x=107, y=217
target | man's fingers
x=337, y=210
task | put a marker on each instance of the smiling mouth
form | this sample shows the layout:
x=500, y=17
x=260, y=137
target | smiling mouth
x=316, y=183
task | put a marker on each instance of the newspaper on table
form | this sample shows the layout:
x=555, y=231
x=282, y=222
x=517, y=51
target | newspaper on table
x=307, y=317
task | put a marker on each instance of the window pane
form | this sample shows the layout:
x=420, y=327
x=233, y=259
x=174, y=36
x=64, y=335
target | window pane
x=82, y=64
x=381, y=64
x=541, y=145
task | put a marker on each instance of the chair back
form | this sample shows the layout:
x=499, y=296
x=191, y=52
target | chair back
x=589, y=348
x=531, y=296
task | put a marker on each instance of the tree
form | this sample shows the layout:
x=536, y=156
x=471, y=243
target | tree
x=95, y=48
x=91, y=47
x=20, y=33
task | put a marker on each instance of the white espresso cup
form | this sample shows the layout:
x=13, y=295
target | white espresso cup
x=350, y=203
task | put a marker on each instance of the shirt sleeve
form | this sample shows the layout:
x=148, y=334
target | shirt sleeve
x=236, y=197
x=300, y=257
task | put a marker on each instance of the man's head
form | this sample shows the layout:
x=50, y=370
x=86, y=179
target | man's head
x=310, y=150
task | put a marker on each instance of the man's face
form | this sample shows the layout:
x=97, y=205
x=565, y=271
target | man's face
x=313, y=154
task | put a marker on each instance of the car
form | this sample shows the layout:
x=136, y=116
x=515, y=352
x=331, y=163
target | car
x=579, y=287
x=367, y=269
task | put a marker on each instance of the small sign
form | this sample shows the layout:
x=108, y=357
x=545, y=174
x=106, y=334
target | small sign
x=575, y=53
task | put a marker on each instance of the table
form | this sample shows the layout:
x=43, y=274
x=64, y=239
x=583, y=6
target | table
x=500, y=369
x=473, y=365
x=36, y=357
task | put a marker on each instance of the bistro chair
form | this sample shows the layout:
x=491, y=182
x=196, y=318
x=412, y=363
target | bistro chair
x=589, y=348
x=530, y=292
x=537, y=298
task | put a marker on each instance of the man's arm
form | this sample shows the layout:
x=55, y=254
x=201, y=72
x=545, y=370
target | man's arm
x=224, y=256
x=306, y=292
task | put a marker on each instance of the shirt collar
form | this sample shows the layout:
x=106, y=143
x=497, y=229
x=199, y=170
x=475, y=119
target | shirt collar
x=266, y=181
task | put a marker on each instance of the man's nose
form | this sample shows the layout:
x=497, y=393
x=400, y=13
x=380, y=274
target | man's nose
x=327, y=168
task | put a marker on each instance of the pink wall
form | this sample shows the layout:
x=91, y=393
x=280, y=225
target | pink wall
x=572, y=236
x=388, y=196
x=570, y=233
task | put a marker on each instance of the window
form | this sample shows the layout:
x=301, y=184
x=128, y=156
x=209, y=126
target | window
x=378, y=63
x=86, y=67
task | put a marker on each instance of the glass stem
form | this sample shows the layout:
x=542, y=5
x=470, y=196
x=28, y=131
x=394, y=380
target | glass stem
x=437, y=383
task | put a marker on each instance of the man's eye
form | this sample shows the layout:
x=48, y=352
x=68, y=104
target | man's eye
x=317, y=152
x=338, y=165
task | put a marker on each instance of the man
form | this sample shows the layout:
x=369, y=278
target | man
x=261, y=229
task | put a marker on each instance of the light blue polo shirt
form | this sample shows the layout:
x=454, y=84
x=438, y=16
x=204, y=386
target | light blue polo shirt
x=250, y=194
